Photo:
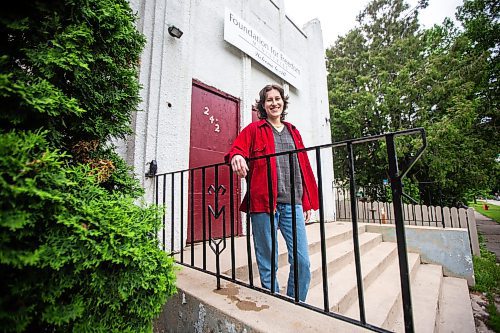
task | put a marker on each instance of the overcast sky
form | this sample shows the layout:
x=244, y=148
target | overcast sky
x=338, y=17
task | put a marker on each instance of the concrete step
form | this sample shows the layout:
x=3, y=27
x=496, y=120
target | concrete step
x=383, y=297
x=335, y=234
x=455, y=310
x=341, y=255
x=342, y=283
x=338, y=256
x=425, y=291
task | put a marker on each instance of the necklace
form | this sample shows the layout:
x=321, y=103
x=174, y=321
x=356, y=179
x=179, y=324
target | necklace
x=276, y=126
x=279, y=128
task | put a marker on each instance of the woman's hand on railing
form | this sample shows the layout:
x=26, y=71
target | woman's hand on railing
x=239, y=165
x=307, y=215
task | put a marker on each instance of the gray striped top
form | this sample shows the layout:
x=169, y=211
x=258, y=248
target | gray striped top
x=283, y=141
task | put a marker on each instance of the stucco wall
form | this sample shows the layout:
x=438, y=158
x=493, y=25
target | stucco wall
x=168, y=66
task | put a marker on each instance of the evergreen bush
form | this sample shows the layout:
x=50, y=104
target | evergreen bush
x=74, y=256
x=78, y=249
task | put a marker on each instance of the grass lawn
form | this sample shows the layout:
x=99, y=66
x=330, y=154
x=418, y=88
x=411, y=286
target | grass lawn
x=493, y=211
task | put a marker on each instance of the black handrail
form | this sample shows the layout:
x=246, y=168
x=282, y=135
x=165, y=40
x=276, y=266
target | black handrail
x=218, y=213
x=397, y=191
x=329, y=145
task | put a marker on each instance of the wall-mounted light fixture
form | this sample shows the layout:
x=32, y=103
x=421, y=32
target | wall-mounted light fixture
x=153, y=167
x=174, y=31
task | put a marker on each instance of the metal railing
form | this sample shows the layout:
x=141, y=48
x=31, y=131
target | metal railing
x=213, y=192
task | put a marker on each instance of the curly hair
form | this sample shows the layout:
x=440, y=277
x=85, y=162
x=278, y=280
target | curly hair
x=259, y=103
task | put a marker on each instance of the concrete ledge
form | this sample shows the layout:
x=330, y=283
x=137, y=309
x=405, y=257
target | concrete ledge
x=199, y=307
x=449, y=248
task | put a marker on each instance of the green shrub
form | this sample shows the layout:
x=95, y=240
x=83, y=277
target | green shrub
x=73, y=256
x=78, y=251
x=486, y=270
x=70, y=66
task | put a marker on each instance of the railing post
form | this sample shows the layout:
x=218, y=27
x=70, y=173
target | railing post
x=397, y=190
x=231, y=216
x=191, y=179
x=294, y=229
x=324, y=266
x=271, y=221
x=248, y=232
x=182, y=218
x=172, y=220
x=355, y=236
x=156, y=203
x=164, y=212
x=204, y=218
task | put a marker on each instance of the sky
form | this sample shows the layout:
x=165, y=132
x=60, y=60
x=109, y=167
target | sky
x=338, y=17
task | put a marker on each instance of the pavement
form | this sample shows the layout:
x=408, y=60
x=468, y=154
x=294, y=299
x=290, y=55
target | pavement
x=490, y=230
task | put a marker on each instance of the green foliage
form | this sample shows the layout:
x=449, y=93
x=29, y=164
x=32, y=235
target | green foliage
x=387, y=74
x=371, y=74
x=409, y=188
x=78, y=251
x=494, y=321
x=74, y=256
x=486, y=272
x=70, y=67
x=487, y=275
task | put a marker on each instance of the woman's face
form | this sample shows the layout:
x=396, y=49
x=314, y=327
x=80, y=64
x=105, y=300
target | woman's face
x=273, y=104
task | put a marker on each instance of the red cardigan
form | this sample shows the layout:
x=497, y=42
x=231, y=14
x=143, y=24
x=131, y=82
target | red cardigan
x=257, y=139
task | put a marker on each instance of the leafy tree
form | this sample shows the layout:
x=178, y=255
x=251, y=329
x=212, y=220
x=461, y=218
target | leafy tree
x=458, y=83
x=78, y=250
x=481, y=20
x=371, y=74
x=388, y=74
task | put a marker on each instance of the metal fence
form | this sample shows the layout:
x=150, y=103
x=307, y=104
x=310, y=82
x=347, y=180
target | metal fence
x=202, y=211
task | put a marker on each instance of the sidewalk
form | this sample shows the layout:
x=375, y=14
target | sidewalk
x=491, y=202
x=490, y=230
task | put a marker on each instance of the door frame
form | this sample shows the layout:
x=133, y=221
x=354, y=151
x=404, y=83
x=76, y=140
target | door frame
x=237, y=101
x=219, y=92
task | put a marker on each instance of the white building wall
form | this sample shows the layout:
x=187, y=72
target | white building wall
x=168, y=66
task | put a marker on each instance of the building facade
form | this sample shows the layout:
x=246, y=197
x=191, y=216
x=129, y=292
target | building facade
x=198, y=90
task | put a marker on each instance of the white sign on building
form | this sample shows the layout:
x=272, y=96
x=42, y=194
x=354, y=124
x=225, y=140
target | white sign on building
x=240, y=34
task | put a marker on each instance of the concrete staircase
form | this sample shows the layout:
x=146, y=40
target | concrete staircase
x=440, y=304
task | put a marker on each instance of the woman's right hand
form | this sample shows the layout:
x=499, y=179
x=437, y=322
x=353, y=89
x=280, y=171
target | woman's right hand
x=239, y=165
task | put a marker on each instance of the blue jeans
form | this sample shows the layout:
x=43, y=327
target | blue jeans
x=261, y=226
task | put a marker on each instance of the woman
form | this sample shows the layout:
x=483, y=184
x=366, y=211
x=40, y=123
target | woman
x=268, y=136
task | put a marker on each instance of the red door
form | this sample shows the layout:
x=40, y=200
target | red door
x=214, y=127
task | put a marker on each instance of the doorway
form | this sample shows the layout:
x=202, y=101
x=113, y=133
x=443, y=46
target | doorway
x=214, y=127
